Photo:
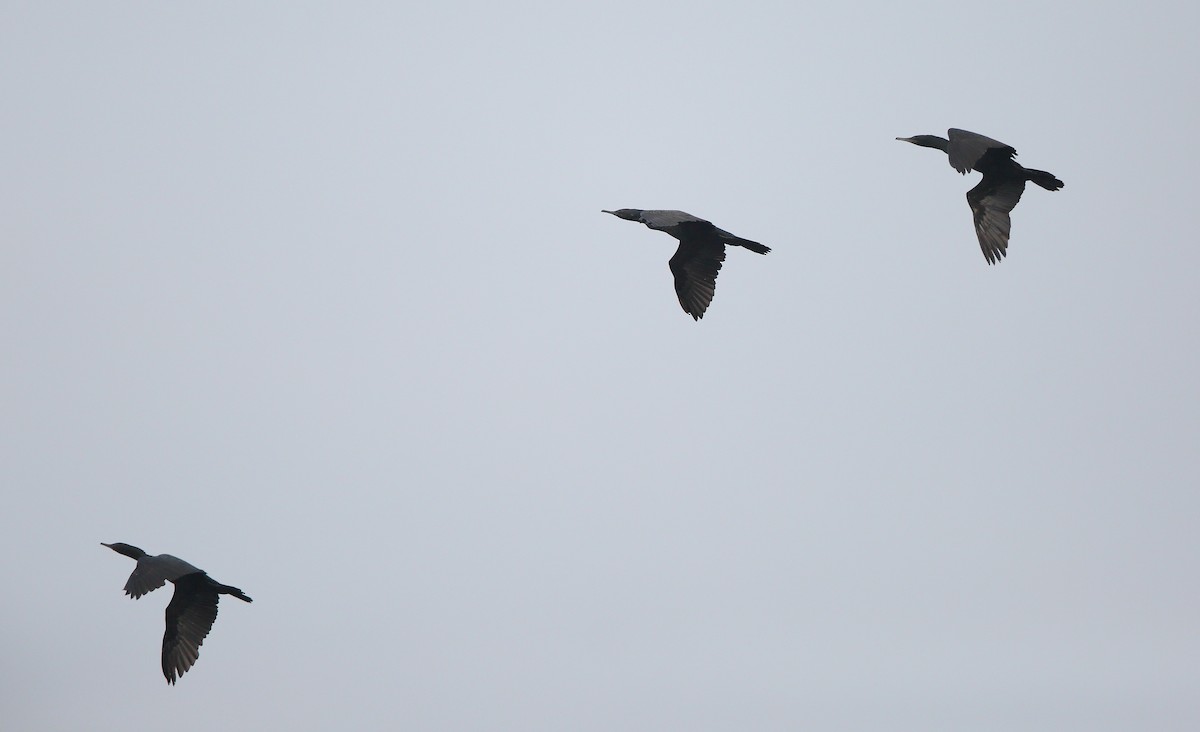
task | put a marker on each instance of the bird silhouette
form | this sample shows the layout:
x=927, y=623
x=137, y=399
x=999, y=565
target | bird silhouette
x=997, y=194
x=699, y=256
x=193, y=607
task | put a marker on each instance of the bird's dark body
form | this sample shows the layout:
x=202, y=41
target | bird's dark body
x=998, y=164
x=998, y=161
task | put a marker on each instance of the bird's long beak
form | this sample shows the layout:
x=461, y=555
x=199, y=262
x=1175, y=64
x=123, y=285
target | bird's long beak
x=614, y=213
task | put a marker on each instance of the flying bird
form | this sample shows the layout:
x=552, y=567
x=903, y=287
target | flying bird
x=1002, y=185
x=699, y=256
x=192, y=609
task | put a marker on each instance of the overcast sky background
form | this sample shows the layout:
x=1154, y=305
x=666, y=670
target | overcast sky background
x=319, y=298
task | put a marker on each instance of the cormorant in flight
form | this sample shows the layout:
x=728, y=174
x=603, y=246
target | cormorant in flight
x=1002, y=185
x=192, y=609
x=699, y=256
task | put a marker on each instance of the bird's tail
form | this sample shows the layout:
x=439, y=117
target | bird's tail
x=227, y=590
x=751, y=245
x=1044, y=179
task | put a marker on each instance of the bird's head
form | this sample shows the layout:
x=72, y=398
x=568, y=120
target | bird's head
x=629, y=214
x=127, y=549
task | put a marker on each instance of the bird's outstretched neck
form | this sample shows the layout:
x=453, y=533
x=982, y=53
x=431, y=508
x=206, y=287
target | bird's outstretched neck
x=939, y=143
x=128, y=550
x=629, y=214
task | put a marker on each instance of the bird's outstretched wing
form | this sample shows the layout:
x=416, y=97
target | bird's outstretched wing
x=991, y=203
x=967, y=148
x=142, y=582
x=153, y=572
x=695, y=266
x=190, y=616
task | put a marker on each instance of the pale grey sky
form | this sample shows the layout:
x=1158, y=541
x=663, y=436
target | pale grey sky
x=319, y=298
